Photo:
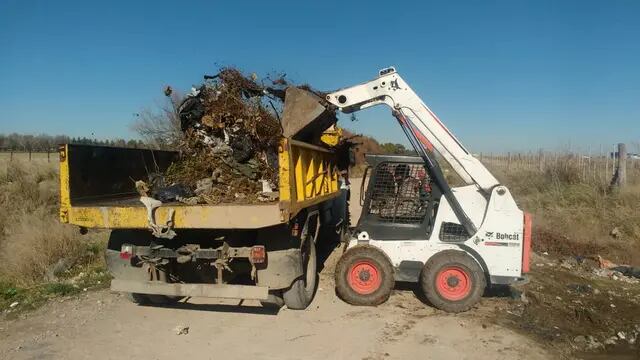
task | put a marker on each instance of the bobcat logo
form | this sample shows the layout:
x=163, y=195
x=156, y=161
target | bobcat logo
x=488, y=234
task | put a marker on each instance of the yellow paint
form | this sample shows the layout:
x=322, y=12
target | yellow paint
x=65, y=197
x=314, y=179
x=284, y=161
x=331, y=136
x=187, y=217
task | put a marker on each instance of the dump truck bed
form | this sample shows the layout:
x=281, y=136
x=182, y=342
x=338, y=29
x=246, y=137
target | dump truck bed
x=97, y=189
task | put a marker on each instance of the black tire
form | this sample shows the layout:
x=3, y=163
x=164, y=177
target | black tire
x=300, y=294
x=151, y=299
x=140, y=299
x=122, y=269
x=364, y=276
x=275, y=300
x=453, y=281
x=161, y=276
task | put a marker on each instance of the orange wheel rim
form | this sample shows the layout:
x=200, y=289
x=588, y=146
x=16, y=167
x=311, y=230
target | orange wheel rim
x=453, y=283
x=364, y=277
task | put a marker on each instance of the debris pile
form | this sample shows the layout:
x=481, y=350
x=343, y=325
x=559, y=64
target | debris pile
x=231, y=128
x=585, y=302
x=231, y=132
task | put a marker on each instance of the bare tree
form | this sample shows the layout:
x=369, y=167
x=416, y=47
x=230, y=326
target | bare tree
x=160, y=128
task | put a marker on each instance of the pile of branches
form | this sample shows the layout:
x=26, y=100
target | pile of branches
x=231, y=131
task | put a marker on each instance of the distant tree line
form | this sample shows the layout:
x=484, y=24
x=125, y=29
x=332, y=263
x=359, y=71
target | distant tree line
x=396, y=149
x=43, y=142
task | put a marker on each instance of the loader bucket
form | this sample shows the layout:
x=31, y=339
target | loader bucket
x=305, y=115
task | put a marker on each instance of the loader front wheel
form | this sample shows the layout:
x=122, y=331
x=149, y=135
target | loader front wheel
x=452, y=281
x=364, y=276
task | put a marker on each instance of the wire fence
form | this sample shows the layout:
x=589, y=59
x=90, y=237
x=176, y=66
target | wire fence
x=598, y=168
x=42, y=156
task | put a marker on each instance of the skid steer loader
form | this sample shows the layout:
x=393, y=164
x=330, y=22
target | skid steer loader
x=415, y=227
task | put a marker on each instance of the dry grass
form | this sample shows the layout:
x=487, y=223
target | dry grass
x=32, y=240
x=576, y=216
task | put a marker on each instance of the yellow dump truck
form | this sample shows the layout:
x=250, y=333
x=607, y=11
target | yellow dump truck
x=261, y=251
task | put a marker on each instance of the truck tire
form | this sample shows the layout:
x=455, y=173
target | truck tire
x=274, y=301
x=161, y=299
x=300, y=294
x=122, y=269
x=364, y=276
x=452, y=281
x=140, y=299
x=151, y=299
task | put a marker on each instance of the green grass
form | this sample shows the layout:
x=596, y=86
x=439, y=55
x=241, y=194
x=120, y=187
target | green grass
x=78, y=280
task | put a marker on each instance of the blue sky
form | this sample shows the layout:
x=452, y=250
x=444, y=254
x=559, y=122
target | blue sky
x=503, y=75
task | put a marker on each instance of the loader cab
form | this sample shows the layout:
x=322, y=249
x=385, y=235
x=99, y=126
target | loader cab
x=400, y=200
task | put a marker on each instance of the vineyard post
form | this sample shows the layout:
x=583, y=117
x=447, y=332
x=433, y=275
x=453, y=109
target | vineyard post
x=621, y=171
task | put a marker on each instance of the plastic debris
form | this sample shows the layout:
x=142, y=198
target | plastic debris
x=181, y=330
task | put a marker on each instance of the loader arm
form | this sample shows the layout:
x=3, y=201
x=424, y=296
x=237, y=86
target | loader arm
x=423, y=128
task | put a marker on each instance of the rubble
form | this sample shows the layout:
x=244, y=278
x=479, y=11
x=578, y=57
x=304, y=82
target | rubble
x=56, y=269
x=577, y=303
x=628, y=271
x=625, y=273
x=231, y=130
x=181, y=330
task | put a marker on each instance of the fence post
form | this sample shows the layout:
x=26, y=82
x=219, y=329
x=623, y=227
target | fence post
x=508, y=160
x=606, y=166
x=29, y=154
x=48, y=157
x=11, y=156
x=620, y=176
x=540, y=160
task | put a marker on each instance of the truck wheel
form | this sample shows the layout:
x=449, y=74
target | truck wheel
x=301, y=292
x=274, y=301
x=161, y=276
x=452, y=281
x=140, y=299
x=122, y=269
x=364, y=276
x=150, y=299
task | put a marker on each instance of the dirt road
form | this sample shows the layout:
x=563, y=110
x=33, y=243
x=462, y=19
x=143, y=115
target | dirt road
x=105, y=325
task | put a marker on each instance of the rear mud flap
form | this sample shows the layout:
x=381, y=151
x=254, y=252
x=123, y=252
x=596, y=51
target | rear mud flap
x=282, y=268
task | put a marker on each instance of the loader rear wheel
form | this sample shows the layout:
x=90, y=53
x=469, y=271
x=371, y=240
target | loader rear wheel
x=452, y=281
x=364, y=276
